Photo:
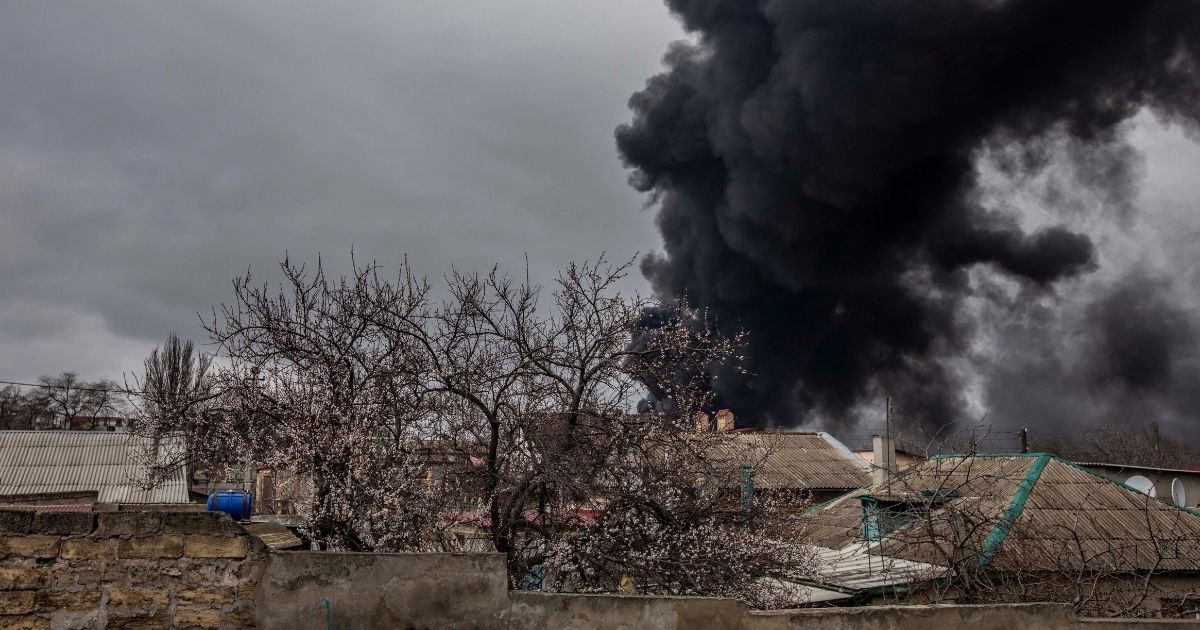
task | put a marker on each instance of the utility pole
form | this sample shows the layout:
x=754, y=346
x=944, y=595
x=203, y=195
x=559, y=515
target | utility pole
x=887, y=418
x=1024, y=440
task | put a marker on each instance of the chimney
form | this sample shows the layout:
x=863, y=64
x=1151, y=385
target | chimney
x=703, y=423
x=724, y=421
x=883, y=452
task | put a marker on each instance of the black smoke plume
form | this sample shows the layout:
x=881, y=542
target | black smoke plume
x=815, y=168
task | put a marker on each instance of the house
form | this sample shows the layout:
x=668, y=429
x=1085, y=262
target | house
x=1180, y=486
x=88, y=470
x=813, y=462
x=1024, y=526
x=97, y=423
x=905, y=457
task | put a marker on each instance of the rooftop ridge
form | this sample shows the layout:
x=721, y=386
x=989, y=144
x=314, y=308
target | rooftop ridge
x=1072, y=464
x=1123, y=485
x=1013, y=511
x=1014, y=454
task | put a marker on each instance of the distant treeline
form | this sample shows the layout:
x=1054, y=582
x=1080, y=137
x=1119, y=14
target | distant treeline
x=55, y=400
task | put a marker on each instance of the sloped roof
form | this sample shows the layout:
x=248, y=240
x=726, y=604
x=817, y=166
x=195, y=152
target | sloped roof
x=1020, y=511
x=48, y=462
x=813, y=461
x=273, y=535
x=1195, y=470
x=855, y=568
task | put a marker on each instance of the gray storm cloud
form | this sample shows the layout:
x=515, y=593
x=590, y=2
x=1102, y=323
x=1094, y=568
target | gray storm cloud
x=151, y=151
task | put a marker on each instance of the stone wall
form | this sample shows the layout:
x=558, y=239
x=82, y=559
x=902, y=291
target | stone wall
x=126, y=570
x=201, y=570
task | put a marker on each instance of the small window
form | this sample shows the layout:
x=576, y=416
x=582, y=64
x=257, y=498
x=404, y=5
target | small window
x=882, y=516
x=1189, y=607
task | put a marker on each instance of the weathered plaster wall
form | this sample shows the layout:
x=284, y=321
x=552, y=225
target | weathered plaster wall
x=367, y=591
x=126, y=570
x=545, y=611
x=1023, y=616
x=306, y=589
x=1138, y=624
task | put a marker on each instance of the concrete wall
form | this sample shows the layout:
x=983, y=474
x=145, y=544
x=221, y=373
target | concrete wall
x=1138, y=624
x=147, y=570
x=545, y=611
x=126, y=570
x=365, y=591
x=308, y=589
x=934, y=617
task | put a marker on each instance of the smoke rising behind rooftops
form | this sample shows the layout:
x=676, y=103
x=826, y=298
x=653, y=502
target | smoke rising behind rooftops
x=825, y=174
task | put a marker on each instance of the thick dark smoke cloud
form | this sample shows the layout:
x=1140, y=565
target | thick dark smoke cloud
x=815, y=166
x=1141, y=340
x=1128, y=355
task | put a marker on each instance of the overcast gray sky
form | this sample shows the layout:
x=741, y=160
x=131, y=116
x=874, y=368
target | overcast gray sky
x=150, y=151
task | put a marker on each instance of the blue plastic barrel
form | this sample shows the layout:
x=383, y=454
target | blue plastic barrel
x=232, y=502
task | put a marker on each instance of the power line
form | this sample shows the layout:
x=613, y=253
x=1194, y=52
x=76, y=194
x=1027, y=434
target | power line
x=105, y=390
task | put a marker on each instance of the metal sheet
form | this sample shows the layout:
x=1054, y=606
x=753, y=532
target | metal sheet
x=1072, y=517
x=109, y=463
x=812, y=461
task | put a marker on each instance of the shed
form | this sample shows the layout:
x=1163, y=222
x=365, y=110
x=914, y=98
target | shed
x=79, y=467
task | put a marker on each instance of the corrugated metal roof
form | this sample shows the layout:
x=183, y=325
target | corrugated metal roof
x=1185, y=471
x=815, y=461
x=1073, y=513
x=802, y=591
x=855, y=568
x=47, y=462
x=1070, y=515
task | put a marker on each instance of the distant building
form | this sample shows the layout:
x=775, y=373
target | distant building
x=815, y=462
x=811, y=461
x=88, y=470
x=97, y=423
x=1180, y=486
x=279, y=492
x=904, y=457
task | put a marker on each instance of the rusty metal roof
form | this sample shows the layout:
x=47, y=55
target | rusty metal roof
x=108, y=463
x=814, y=461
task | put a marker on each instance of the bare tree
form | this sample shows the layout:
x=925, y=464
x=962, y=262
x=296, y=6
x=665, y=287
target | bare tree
x=549, y=427
x=582, y=411
x=20, y=409
x=66, y=397
x=1137, y=445
x=175, y=385
x=171, y=399
x=321, y=379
